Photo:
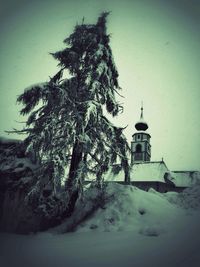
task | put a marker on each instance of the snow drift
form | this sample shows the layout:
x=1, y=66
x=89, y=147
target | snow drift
x=132, y=228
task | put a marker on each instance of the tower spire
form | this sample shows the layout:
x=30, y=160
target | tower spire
x=141, y=115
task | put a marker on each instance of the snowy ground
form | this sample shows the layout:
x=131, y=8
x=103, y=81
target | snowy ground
x=135, y=228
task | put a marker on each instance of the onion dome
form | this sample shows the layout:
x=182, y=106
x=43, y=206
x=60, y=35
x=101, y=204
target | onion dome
x=141, y=125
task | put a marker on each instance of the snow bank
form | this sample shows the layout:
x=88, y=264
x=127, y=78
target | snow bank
x=132, y=209
x=188, y=199
x=134, y=228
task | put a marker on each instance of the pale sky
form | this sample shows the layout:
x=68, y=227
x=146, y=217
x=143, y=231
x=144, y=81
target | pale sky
x=155, y=44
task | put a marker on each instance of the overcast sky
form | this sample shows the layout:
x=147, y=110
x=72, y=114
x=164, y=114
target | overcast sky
x=156, y=49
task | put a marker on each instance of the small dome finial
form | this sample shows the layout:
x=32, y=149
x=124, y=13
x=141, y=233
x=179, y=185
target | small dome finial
x=141, y=125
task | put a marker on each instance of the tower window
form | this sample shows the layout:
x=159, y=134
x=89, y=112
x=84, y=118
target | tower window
x=138, y=136
x=138, y=148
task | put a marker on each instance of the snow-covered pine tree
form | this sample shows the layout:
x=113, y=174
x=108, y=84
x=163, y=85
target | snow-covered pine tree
x=70, y=128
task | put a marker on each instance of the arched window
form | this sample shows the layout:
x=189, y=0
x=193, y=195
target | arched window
x=138, y=148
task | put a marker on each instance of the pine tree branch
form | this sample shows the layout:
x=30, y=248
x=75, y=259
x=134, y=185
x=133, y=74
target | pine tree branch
x=95, y=158
x=118, y=93
x=25, y=131
x=21, y=122
x=112, y=149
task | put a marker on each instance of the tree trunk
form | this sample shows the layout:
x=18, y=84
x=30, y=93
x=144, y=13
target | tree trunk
x=126, y=172
x=72, y=182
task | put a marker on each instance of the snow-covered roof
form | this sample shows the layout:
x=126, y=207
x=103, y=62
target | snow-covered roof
x=141, y=172
x=4, y=140
x=185, y=178
x=116, y=177
x=149, y=172
x=9, y=158
x=153, y=172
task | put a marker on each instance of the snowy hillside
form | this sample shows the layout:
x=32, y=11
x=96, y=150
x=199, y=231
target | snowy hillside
x=133, y=228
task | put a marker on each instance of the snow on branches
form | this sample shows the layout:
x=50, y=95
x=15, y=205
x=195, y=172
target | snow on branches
x=69, y=129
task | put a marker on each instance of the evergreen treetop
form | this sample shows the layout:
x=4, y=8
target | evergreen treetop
x=69, y=128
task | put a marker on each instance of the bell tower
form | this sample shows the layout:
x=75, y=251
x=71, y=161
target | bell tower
x=140, y=145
